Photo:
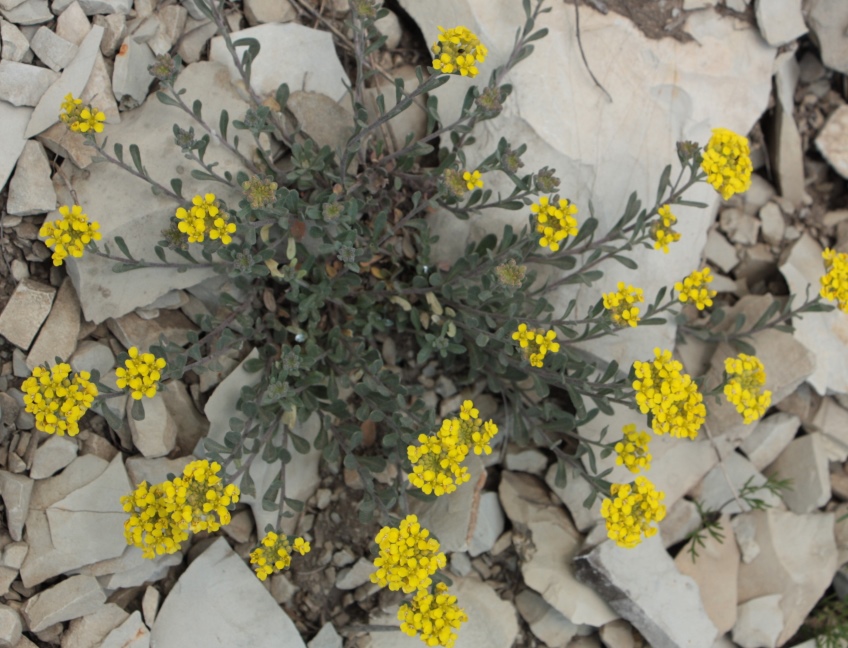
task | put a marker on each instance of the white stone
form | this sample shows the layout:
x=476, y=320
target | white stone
x=759, y=623
x=413, y=120
x=327, y=637
x=545, y=622
x=14, y=554
x=90, y=630
x=772, y=224
x=98, y=91
x=6, y=5
x=787, y=149
x=53, y=50
x=58, y=336
x=548, y=569
x=72, y=24
x=311, y=61
x=195, y=613
x=573, y=495
x=29, y=12
x=132, y=633
x=832, y=141
x=804, y=462
x=70, y=599
x=720, y=251
x=91, y=7
x=827, y=20
x=452, y=517
x=156, y=434
x=716, y=494
x=150, y=605
x=155, y=471
x=268, y=11
x=92, y=356
x=770, y=436
x=797, y=558
x=24, y=85
x=389, y=26
x=17, y=494
x=15, y=44
x=780, y=21
x=131, y=569
x=822, y=333
x=832, y=420
x=489, y=525
x=115, y=29
x=680, y=520
x=353, y=577
x=740, y=227
x=492, y=622
x=10, y=626
x=130, y=76
x=53, y=455
x=714, y=571
x=302, y=477
x=645, y=587
x=172, y=20
x=191, y=424
x=618, y=634
x=73, y=81
x=31, y=190
x=529, y=460
x=194, y=39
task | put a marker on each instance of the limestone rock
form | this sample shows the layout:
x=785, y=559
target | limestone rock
x=545, y=622
x=552, y=544
x=831, y=419
x=413, y=120
x=90, y=630
x=10, y=626
x=321, y=118
x=740, y=227
x=17, y=494
x=831, y=141
x=114, y=30
x=827, y=20
x=796, y=558
x=53, y=455
x=770, y=436
x=714, y=492
x=130, y=76
x=131, y=569
x=389, y=26
x=70, y=599
x=572, y=495
x=680, y=520
x=31, y=190
x=156, y=434
x=155, y=471
x=150, y=605
x=772, y=224
x=58, y=336
x=12, y=138
x=195, y=36
x=268, y=11
x=15, y=44
x=191, y=424
x=715, y=571
x=53, y=50
x=528, y=460
x=132, y=330
x=489, y=525
x=72, y=24
x=327, y=637
x=355, y=576
x=787, y=147
x=194, y=613
x=720, y=251
x=804, y=461
x=29, y=12
x=759, y=623
x=172, y=20
x=91, y=356
x=22, y=84
x=780, y=22
x=132, y=633
x=645, y=587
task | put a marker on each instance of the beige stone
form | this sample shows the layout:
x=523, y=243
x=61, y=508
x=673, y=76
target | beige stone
x=58, y=337
x=26, y=311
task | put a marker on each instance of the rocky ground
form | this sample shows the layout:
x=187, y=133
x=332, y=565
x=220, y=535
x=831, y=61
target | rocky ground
x=528, y=560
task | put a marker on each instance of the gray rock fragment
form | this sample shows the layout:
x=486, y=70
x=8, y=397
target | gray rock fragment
x=53, y=50
x=31, y=189
x=24, y=85
x=70, y=599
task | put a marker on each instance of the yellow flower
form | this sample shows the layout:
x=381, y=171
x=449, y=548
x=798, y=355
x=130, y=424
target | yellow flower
x=554, y=223
x=58, y=398
x=434, y=616
x=727, y=162
x=834, y=284
x=193, y=220
x=630, y=514
x=621, y=304
x=694, y=289
x=69, y=236
x=79, y=118
x=669, y=395
x=274, y=554
x=745, y=387
x=222, y=229
x=141, y=375
x=162, y=516
x=662, y=230
x=457, y=51
x=408, y=557
x=535, y=343
x=472, y=180
x=436, y=461
x=632, y=450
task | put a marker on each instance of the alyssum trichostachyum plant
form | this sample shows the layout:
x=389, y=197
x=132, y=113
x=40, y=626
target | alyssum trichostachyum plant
x=330, y=250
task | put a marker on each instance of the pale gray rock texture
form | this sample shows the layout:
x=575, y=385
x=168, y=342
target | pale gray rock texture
x=90, y=630
x=25, y=312
x=58, y=336
x=53, y=455
x=71, y=598
x=780, y=21
x=24, y=85
x=828, y=20
x=16, y=491
x=831, y=141
x=194, y=613
x=31, y=189
x=53, y=50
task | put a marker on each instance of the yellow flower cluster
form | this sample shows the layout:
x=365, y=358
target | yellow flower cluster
x=408, y=557
x=554, y=223
x=58, y=398
x=621, y=304
x=535, y=343
x=671, y=396
x=435, y=616
x=727, y=162
x=437, y=461
x=747, y=376
x=79, y=118
x=69, y=236
x=632, y=450
x=162, y=516
x=142, y=373
x=472, y=180
x=193, y=221
x=457, y=51
x=834, y=284
x=694, y=289
x=630, y=514
x=274, y=554
x=662, y=231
